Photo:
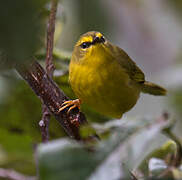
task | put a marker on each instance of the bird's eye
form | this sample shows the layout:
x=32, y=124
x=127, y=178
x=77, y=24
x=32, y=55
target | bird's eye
x=102, y=39
x=85, y=45
x=96, y=39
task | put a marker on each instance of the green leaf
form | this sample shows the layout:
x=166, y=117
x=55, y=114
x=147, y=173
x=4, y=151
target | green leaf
x=111, y=159
x=16, y=151
x=22, y=27
x=65, y=159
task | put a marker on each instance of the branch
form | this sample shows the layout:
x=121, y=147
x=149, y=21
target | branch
x=44, y=123
x=50, y=38
x=52, y=97
x=13, y=175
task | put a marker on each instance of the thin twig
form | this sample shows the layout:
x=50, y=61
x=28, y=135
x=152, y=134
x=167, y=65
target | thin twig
x=50, y=38
x=44, y=123
x=13, y=175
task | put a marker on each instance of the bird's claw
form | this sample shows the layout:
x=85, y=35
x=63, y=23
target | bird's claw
x=73, y=103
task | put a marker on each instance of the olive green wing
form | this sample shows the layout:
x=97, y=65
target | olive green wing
x=134, y=72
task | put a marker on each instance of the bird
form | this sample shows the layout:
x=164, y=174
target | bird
x=103, y=76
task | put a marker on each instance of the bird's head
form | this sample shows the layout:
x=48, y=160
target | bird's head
x=88, y=44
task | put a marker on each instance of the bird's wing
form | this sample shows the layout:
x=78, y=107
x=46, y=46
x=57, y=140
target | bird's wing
x=134, y=72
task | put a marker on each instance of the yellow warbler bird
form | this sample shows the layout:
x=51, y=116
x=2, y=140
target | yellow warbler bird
x=103, y=76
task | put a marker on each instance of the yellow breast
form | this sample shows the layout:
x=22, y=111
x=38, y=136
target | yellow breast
x=99, y=81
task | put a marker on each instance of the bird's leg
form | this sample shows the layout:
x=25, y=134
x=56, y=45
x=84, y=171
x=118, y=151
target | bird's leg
x=72, y=103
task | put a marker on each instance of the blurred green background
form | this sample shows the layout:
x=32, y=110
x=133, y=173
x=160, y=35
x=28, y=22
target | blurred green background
x=149, y=31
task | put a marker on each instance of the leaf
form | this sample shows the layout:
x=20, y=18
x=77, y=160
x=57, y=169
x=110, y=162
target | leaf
x=21, y=30
x=144, y=142
x=109, y=160
x=160, y=153
x=66, y=159
x=16, y=151
x=159, y=168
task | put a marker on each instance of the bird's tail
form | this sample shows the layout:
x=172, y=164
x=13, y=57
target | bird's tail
x=154, y=89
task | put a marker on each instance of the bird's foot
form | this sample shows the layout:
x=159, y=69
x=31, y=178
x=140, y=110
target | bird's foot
x=72, y=103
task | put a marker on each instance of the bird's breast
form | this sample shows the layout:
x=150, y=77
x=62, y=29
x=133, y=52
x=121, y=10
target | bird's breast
x=104, y=85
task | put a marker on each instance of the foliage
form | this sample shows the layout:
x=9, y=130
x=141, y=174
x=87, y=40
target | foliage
x=21, y=30
x=112, y=158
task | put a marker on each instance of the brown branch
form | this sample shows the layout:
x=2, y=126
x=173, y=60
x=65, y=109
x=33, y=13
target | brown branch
x=44, y=123
x=52, y=97
x=50, y=38
x=13, y=175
